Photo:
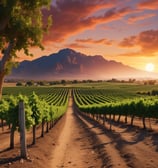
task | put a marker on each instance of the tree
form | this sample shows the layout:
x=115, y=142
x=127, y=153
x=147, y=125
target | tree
x=41, y=83
x=19, y=84
x=75, y=81
x=21, y=27
x=63, y=81
x=29, y=83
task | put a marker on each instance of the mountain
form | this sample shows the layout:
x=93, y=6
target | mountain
x=69, y=64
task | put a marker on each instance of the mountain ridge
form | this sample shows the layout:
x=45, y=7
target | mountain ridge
x=69, y=64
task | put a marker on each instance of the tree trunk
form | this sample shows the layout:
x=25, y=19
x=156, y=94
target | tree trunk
x=12, y=138
x=1, y=83
x=42, y=131
x=47, y=128
x=3, y=63
x=51, y=124
x=119, y=117
x=34, y=134
x=113, y=117
x=2, y=125
x=110, y=122
x=104, y=119
x=93, y=116
x=126, y=119
x=150, y=124
x=132, y=119
x=144, y=125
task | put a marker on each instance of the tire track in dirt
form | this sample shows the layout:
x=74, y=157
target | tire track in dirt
x=108, y=145
x=136, y=146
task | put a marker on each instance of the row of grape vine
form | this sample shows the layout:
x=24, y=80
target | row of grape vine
x=39, y=110
x=98, y=104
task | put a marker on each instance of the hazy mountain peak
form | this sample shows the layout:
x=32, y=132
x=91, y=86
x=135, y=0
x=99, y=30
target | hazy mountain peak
x=69, y=64
x=67, y=51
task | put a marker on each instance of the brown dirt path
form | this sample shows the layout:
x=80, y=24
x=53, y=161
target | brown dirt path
x=74, y=147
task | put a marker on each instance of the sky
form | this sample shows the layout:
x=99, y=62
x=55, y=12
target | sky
x=121, y=30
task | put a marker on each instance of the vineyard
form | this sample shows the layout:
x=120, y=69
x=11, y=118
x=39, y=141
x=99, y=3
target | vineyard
x=112, y=104
x=103, y=120
x=43, y=106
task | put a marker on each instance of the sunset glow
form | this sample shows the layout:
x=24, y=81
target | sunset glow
x=149, y=67
x=125, y=31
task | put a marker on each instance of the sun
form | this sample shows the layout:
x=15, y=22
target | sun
x=149, y=67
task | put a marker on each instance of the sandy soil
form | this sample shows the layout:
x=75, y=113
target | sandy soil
x=77, y=141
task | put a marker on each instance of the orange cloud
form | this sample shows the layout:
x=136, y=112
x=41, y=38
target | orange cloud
x=146, y=40
x=148, y=4
x=71, y=17
x=136, y=18
x=92, y=41
x=76, y=45
x=128, y=42
x=132, y=54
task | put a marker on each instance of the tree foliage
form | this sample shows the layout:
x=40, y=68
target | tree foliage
x=22, y=23
x=21, y=26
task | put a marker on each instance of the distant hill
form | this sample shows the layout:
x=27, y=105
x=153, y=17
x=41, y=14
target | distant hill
x=69, y=64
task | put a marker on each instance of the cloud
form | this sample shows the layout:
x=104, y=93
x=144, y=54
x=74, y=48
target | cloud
x=84, y=43
x=132, y=54
x=71, y=17
x=146, y=40
x=92, y=41
x=75, y=45
x=137, y=54
x=128, y=42
x=148, y=4
x=134, y=18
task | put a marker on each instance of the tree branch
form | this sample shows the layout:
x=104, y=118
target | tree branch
x=7, y=56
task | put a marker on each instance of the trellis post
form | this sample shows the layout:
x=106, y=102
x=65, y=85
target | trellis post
x=23, y=148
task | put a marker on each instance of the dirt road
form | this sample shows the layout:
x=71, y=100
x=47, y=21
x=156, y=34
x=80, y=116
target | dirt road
x=75, y=146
